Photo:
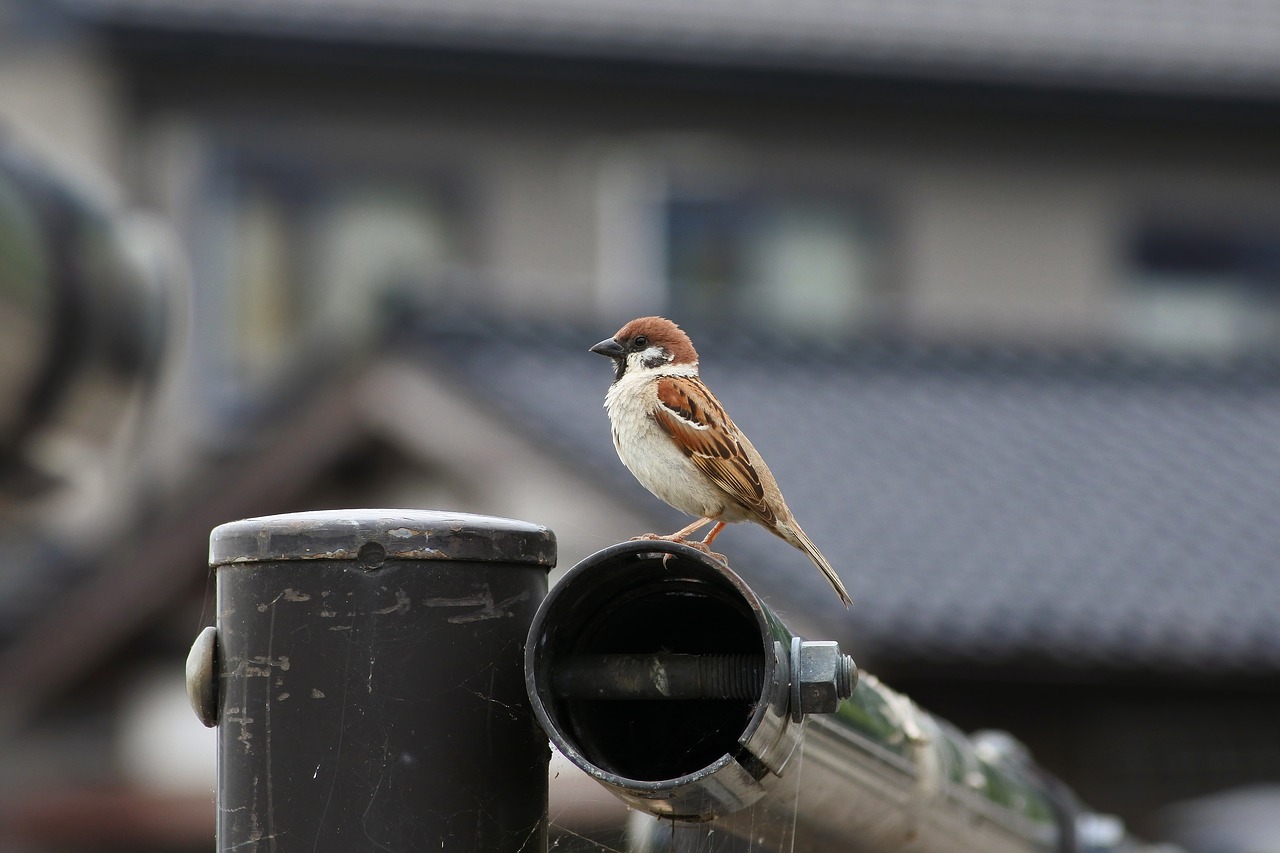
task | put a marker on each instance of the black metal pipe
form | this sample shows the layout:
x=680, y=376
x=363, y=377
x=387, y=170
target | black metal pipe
x=691, y=756
x=879, y=774
x=370, y=692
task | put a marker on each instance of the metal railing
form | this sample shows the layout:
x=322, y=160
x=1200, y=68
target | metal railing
x=378, y=678
x=879, y=773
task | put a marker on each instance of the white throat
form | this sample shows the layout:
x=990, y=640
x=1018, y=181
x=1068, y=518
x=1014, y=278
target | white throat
x=638, y=375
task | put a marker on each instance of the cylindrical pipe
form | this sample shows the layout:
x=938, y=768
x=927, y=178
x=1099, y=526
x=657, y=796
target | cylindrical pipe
x=370, y=687
x=877, y=775
x=692, y=758
x=883, y=775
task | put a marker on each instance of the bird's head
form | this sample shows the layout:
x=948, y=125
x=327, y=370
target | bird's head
x=648, y=344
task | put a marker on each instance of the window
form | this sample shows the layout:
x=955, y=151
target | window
x=1203, y=287
x=314, y=249
x=810, y=263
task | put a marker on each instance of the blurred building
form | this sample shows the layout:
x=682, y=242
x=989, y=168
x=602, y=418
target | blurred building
x=1016, y=267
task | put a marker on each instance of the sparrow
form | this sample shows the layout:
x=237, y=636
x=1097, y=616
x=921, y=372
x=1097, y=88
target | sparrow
x=672, y=433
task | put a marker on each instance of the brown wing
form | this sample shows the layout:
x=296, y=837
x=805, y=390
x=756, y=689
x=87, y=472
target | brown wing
x=701, y=428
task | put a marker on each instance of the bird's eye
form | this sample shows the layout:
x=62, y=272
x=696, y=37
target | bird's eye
x=641, y=342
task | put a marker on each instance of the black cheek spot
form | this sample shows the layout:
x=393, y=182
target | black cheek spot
x=658, y=359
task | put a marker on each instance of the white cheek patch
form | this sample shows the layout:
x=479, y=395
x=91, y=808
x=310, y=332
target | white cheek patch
x=648, y=359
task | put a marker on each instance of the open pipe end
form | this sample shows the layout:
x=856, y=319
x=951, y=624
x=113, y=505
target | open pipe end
x=688, y=754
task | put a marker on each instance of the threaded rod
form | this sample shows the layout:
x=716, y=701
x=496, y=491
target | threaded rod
x=660, y=676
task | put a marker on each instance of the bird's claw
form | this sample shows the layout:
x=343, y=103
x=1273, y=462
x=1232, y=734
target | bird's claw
x=706, y=549
x=692, y=543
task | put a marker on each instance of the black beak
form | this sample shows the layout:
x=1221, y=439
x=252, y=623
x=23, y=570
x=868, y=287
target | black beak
x=609, y=348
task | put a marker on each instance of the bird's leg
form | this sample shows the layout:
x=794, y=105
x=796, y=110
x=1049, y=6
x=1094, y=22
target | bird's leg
x=715, y=531
x=705, y=545
x=679, y=535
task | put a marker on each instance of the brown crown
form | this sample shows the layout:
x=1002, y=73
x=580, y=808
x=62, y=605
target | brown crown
x=664, y=333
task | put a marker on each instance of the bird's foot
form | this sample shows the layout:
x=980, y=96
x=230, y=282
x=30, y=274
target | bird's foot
x=692, y=543
x=706, y=549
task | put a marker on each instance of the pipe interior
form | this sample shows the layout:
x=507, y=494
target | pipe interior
x=636, y=604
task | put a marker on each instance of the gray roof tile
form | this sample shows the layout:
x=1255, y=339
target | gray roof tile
x=980, y=505
x=1213, y=46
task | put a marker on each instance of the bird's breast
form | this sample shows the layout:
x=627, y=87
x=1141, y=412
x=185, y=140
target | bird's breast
x=651, y=455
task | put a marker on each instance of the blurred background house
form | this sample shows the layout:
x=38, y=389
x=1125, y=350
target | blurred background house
x=1009, y=275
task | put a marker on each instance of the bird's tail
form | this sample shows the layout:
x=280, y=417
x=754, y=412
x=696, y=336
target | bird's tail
x=797, y=537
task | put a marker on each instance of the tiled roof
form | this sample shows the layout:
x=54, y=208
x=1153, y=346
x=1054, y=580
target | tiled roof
x=1209, y=46
x=1088, y=510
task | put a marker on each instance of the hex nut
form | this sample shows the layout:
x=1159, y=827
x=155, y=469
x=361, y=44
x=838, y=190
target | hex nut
x=822, y=677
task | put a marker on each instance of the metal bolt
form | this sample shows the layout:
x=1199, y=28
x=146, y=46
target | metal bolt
x=202, y=676
x=660, y=676
x=822, y=677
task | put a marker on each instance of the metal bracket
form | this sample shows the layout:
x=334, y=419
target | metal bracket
x=202, y=676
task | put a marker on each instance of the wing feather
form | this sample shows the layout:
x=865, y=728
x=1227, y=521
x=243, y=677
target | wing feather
x=703, y=430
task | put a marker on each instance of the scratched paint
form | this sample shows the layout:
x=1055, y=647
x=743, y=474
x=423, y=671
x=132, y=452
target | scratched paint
x=500, y=610
x=487, y=607
x=260, y=666
x=401, y=606
x=356, y=718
